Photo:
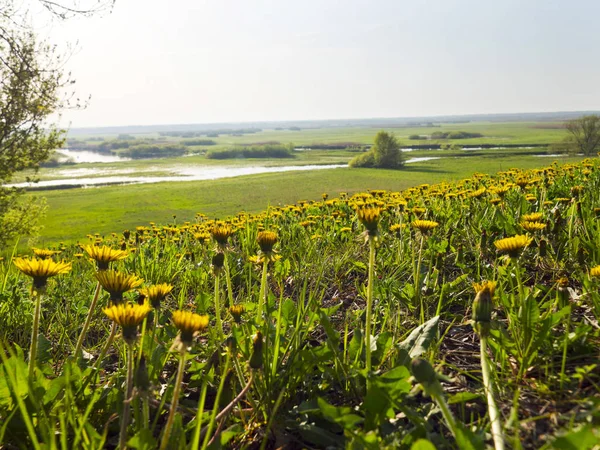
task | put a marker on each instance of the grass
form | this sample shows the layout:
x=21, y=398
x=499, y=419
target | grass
x=289, y=367
x=74, y=213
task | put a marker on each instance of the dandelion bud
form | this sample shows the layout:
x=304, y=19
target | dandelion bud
x=482, y=307
x=425, y=374
x=256, y=360
x=543, y=248
x=218, y=261
x=141, y=378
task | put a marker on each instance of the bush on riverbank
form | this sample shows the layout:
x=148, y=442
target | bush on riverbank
x=152, y=151
x=255, y=151
x=384, y=154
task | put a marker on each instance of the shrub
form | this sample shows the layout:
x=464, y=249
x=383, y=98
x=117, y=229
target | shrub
x=152, y=151
x=385, y=153
x=256, y=151
x=365, y=160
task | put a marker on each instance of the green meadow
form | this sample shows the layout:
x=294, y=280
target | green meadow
x=74, y=213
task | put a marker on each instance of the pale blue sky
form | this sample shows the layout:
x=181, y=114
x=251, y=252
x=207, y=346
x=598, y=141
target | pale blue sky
x=185, y=61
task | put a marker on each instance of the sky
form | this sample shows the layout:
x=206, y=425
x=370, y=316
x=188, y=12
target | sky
x=192, y=61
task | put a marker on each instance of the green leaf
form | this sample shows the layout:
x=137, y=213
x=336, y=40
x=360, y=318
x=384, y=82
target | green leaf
x=332, y=336
x=203, y=302
x=44, y=349
x=466, y=440
x=383, y=344
x=355, y=346
x=394, y=383
x=418, y=341
x=19, y=368
x=422, y=444
x=582, y=439
x=342, y=415
x=463, y=397
x=143, y=440
x=288, y=311
x=529, y=314
x=377, y=407
x=320, y=437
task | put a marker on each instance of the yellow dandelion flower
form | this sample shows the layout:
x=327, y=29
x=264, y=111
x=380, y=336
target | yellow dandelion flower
x=44, y=252
x=369, y=216
x=41, y=269
x=595, y=271
x=513, y=245
x=156, y=293
x=424, y=225
x=533, y=226
x=221, y=232
x=478, y=193
x=117, y=283
x=129, y=316
x=396, y=228
x=189, y=323
x=236, y=312
x=533, y=217
x=266, y=240
x=418, y=211
x=255, y=259
x=104, y=255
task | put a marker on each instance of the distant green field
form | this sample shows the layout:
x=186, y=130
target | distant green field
x=494, y=133
x=74, y=213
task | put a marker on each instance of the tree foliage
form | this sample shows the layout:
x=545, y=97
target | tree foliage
x=384, y=154
x=584, y=134
x=32, y=89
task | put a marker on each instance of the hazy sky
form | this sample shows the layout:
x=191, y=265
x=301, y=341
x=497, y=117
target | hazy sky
x=191, y=61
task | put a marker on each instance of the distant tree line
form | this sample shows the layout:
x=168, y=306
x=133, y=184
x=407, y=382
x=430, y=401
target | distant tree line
x=135, y=149
x=143, y=151
x=209, y=133
x=192, y=142
x=337, y=146
x=446, y=135
x=253, y=151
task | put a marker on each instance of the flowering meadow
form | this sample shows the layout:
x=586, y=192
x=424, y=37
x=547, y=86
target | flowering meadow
x=462, y=315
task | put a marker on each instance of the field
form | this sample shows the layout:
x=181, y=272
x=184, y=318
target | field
x=74, y=213
x=337, y=323
x=451, y=304
x=108, y=209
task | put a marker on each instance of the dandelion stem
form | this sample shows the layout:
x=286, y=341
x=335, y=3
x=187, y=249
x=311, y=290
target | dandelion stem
x=565, y=347
x=34, y=331
x=262, y=297
x=218, y=307
x=88, y=319
x=228, y=280
x=164, y=443
x=489, y=392
x=446, y=413
x=369, y=306
x=127, y=399
x=418, y=279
